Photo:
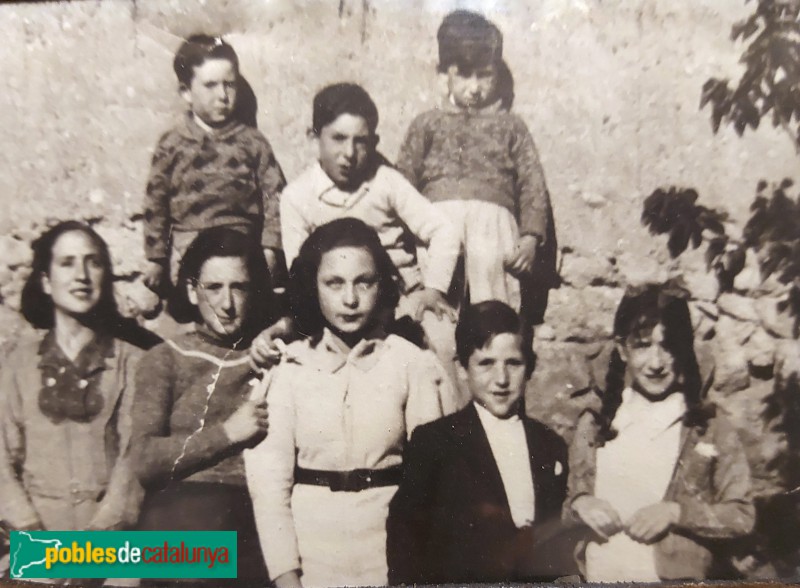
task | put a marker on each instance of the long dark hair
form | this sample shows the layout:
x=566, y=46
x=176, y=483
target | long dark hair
x=640, y=311
x=226, y=242
x=303, y=293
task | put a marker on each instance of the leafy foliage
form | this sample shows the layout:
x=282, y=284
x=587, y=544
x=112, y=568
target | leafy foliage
x=675, y=212
x=771, y=81
x=784, y=402
x=773, y=232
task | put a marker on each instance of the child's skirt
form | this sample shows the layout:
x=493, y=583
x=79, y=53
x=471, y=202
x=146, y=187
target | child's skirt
x=489, y=235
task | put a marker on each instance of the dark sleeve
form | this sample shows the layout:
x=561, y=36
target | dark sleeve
x=159, y=192
x=533, y=199
x=271, y=182
x=412, y=152
x=410, y=512
x=557, y=471
x=158, y=455
x=582, y=465
x=719, y=462
x=562, y=473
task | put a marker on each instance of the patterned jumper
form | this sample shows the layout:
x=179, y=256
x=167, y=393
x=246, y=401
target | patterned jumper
x=482, y=170
x=449, y=154
x=186, y=389
x=200, y=180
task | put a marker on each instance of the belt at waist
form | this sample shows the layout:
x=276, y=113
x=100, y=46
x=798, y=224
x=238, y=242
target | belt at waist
x=351, y=481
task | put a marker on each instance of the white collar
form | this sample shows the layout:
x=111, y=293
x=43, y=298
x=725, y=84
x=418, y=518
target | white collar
x=489, y=421
x=658, y=416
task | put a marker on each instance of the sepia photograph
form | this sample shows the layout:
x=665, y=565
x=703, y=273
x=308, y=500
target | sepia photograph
x=326, y=293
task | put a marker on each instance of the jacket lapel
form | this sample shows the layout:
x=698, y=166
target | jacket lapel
x=539, y=470
x=687, y=433
x=476, y=445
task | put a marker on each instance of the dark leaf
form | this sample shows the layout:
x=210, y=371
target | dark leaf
x=678, y=240
x=711, y=220
x=734, y=261
x=715, y=248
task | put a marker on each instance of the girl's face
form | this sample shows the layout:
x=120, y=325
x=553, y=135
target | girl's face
x=74, y=279
x=651, y=366
x=473, y=89
x=222, y=295
x=348, y=288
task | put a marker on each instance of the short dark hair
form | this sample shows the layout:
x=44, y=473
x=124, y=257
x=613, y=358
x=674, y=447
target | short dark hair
x=194, y=52
x=480, y=323
x=37, y=306
x=226, y=242
x=344, y=98
x=303, y=292
x=468, y=40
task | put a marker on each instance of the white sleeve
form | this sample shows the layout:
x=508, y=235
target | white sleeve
x=431, y=227
x=270, y=477
x=294, y=229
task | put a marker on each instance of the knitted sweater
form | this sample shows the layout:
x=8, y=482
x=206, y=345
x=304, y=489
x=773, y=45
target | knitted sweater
x=200, y=180
x=450, y=154
x=186, y=389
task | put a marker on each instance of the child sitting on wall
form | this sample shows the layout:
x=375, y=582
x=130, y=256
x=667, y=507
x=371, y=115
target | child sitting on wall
x=477, y=162
x=211, y=170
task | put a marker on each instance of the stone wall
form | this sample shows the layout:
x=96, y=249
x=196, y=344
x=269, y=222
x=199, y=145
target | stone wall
x=609, y=89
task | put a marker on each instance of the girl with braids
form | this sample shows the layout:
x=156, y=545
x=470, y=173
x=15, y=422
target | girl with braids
x=656, y=475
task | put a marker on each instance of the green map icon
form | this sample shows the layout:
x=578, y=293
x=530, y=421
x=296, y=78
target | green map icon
x=123, y=554
x=28, y=555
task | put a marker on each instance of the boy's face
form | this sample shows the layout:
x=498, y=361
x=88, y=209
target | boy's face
x=346, y=147
x=473, y=89
x=222, y=294
x=496, y=375
x=212, y=93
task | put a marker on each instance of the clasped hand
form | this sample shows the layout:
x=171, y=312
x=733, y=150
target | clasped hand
x=249, y=420
x=524, y=256
x=647, y=525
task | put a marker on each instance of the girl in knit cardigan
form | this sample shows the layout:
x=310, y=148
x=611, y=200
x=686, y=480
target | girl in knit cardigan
x=196, y=408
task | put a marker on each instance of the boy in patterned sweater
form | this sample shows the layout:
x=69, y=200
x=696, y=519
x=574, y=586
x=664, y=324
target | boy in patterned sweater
x=210, y=170
x=477, y=162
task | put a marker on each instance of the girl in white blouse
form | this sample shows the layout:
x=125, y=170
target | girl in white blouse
x=656, y=474
x=341, y=406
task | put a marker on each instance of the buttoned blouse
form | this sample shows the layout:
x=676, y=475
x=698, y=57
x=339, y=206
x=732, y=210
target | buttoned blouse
x=74, y=461
x=331, y=408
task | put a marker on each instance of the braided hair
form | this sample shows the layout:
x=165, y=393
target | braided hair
x=640, y=311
